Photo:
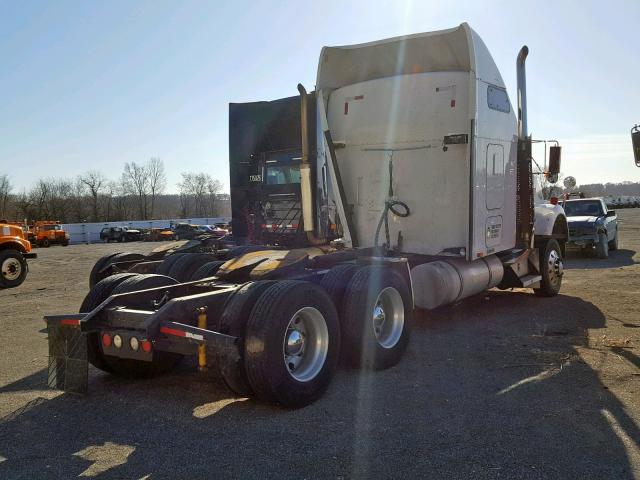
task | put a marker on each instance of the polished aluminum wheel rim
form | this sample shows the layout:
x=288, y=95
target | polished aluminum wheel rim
x=388, y=317
x=11, y=269
x=306, y=343
x=555, y=267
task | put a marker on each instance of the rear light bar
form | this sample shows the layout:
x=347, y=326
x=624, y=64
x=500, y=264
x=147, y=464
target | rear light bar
x=120, y=341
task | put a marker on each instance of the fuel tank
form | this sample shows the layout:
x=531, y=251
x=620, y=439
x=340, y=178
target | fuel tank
x=447, y=281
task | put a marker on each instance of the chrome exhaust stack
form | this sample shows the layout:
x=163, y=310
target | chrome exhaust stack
x=306, y=189
x=522, y=92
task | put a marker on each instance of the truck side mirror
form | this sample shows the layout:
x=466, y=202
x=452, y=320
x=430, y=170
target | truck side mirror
x=635, y=141
x=554, y=159
x=611, y=213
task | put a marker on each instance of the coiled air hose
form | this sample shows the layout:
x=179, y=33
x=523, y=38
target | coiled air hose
x=390, y=205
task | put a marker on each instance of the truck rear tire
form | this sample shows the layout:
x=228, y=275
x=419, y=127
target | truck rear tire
x=102, y=290
x=233, y=321
x=335, y=283
x=299, y=320
x=207, y=270
x=102, y=261
x=186, y=266
x=45, y=243
x=13, y=268
x=96, y=275
x=98, y=294
x=162, y=361
x=168, y=262
x=602, y=247
x=551, y=269
x=377, y=318
x=142, y=281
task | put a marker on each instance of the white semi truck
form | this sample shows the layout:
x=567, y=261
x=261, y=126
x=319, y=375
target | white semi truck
x=416, y=191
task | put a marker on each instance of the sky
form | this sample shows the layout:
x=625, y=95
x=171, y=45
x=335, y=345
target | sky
x=91, y=85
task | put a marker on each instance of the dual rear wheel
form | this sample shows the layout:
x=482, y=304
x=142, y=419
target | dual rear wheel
x=293, y=333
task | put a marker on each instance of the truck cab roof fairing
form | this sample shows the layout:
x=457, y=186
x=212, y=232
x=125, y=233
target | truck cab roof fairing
x=455, y=49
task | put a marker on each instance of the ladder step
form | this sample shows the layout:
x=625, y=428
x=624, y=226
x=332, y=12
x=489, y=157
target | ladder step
x=529, y=280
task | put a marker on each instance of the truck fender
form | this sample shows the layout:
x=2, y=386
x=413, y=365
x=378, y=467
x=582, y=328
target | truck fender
x=11, y=245
x=550, y=222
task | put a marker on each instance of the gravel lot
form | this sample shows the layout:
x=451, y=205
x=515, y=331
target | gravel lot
x=503, y=385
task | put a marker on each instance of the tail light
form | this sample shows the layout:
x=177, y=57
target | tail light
x=553, y=200
x=146, y=346
x=106, y=339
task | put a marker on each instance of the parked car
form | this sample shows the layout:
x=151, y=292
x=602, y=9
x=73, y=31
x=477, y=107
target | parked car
x=591, y=225
x=186, y=231
x=211, y=230
x=119, y=234
x=158, y=235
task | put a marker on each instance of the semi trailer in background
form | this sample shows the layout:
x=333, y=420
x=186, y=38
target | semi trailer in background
x=403, y=182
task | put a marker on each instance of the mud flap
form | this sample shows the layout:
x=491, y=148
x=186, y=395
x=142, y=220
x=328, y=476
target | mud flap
x=68, y=365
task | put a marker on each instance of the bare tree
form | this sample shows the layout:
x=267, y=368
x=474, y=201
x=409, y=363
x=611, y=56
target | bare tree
x=94, y=181
x=198, y=190
x=157, y=181
x=23, y=206
x=40, y=195
x=185, y=187
x=106, y=200
x=78, y=201
x=61, y=199
x=214, y=187
x=136, y=176
x=122, y=200
x=5, y=191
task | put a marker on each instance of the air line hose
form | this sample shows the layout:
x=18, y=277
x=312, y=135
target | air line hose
x=390, y=205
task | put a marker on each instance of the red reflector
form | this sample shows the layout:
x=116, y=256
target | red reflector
x=346, y=108
x=553, y=200
x=453, y=103
x=294, y=225
x=358, y=97
x=106, y=339
x=172, y=331
x=70, y=321
x=146, y=346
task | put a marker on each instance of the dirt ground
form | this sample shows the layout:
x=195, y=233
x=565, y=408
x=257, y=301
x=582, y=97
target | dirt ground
x=503, y=385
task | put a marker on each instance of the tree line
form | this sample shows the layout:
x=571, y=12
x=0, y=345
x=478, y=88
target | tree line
x=137, y=194
x=614, y=189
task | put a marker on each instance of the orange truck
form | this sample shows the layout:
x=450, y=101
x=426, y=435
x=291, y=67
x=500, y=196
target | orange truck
x=14, y=251
x=45, y=233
